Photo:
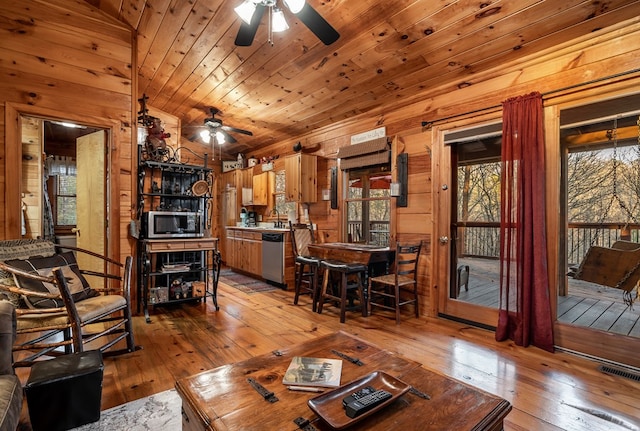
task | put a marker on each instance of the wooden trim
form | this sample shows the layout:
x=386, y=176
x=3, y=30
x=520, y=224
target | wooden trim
x=13, y=173
x=13, y=154
x=607, y=345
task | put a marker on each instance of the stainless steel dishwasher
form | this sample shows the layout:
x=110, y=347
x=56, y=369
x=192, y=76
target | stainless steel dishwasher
x=273, y=256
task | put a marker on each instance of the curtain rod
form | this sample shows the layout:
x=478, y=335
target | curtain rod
x=430, y=124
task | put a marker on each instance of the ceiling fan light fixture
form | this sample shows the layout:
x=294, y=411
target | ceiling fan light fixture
x=220, y=138
x=294, y=6
x=205, y=136
x=278, y=22
x=246, y=10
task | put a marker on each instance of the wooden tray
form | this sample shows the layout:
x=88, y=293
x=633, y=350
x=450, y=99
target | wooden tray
x=329, y=405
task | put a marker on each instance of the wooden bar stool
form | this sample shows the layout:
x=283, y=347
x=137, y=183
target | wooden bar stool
x=307, y=267
x=352, y=276
x=307, y=273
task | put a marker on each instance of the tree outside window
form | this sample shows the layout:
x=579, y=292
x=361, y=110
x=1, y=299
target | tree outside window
x=369, y=205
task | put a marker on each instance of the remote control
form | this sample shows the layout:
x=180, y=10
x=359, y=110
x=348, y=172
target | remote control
x=366, y=403
x=357, y=395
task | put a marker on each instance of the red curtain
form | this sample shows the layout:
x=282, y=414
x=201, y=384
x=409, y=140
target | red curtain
x=525, y=310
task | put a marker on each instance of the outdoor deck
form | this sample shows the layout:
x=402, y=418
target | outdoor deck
x=587, y=304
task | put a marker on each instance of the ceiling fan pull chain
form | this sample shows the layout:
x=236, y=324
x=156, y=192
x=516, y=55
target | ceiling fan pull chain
x=270, y=28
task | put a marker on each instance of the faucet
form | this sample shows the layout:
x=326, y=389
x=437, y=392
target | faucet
x=277, y=224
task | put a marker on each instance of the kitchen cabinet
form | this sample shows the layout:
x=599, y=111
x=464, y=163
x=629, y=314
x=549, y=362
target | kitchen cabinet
x=230, y=249
x=244, y=251
x=262, y=187
x=301, y=172
x=229, y=180
x=246, y=177
x=246, y=185
x=252, y=252
x=248, y=248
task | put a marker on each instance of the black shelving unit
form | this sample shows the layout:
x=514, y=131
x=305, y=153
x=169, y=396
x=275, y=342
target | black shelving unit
x=173, y=271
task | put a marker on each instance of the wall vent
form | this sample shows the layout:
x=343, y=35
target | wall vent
x=619, y=372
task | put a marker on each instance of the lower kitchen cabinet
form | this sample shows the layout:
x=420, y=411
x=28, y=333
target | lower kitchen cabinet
x=245, y=248
x=252, y=252
x=244, y=251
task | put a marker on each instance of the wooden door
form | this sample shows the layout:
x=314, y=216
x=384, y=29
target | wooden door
x=91, y=225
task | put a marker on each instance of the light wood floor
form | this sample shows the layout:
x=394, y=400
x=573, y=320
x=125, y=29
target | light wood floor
x=548, y=391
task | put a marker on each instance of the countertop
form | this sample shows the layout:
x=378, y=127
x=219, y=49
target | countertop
x=259, y=228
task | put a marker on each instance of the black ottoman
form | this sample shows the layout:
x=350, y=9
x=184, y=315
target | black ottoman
x=65, y=392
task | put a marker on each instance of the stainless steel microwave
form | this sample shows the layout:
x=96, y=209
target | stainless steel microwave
x=172, y=224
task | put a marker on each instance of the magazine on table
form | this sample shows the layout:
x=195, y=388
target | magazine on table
x=307, y=371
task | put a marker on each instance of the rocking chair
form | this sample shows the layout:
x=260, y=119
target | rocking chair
x=58, y=312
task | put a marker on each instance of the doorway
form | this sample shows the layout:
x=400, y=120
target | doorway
x=472, y=293
x=64, y=184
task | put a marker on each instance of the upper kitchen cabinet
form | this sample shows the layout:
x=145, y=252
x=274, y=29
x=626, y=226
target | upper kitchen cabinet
x=301, y=172
x=246, y=185
x=262, y=187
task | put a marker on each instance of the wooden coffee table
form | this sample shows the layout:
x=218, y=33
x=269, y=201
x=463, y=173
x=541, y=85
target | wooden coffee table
x=224, y=399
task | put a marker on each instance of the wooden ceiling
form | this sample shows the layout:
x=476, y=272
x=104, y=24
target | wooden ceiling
x=389, y=52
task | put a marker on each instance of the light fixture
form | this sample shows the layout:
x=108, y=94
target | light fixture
x=294, y=6
x=277, y=21
x=246, y=10
x=206, y=136
x=69, y=125
x=220, y=138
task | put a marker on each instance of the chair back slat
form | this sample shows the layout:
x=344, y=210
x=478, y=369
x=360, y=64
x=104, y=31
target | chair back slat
x=407, y=257
x=301, y=237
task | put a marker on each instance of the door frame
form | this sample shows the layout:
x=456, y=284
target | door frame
x=13, y=159
x=587, y=341
x=443, y=195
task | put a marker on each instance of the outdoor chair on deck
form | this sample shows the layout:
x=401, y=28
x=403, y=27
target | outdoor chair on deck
x=307, y=267
x=58, y=312
x=392, y=291
x=617, y=266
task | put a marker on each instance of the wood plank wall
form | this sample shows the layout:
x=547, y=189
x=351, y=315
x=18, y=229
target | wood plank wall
x=63, y=59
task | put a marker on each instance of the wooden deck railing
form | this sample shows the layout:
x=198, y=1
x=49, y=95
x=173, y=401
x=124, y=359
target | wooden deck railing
x=482, y=239
x=376, y=233
x=477, y=239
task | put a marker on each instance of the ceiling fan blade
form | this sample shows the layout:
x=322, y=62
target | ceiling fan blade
x=318, y=25
x=233, y=129
x=227, y=137
x=193, y=137
x=247, y=32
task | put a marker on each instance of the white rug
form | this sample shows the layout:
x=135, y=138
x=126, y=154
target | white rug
x=158, y=412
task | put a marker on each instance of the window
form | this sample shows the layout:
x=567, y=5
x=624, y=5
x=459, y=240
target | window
x=601, y=170
x=281, y=206
x=369, y=205
x=62, y=190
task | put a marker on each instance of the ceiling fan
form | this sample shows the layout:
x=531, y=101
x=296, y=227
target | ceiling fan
x=251, y=12
x=217, y=131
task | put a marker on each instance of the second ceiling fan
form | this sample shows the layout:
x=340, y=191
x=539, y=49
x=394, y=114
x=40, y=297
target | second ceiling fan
x=251, y=12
